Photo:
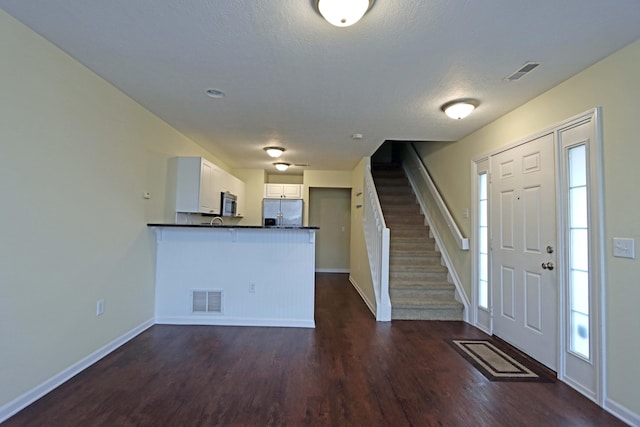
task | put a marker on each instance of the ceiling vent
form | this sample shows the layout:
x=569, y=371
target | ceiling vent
x=522, y=71
x=206, y=301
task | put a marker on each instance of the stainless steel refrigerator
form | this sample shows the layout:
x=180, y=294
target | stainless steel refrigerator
x=282, y=212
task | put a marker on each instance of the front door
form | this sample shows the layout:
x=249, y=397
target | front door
x=523, y=243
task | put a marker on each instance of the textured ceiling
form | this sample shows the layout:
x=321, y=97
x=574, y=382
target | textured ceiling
x=292, y=79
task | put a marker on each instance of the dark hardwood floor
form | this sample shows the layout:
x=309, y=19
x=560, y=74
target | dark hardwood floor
x=349, y=371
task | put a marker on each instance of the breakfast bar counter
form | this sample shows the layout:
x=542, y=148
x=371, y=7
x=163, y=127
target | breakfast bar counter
x=235, y=275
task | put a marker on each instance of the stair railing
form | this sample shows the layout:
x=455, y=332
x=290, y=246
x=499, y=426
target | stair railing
x=377, y=237
x=417, y=173
x=415, y=161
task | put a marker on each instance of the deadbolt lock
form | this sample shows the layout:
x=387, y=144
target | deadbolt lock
x=549, y=249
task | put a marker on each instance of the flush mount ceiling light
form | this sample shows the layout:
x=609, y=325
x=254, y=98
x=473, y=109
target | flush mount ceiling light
x=274, y=151
x=282, y=166
x=343, y=13
x=214, y=93
x=459, y=109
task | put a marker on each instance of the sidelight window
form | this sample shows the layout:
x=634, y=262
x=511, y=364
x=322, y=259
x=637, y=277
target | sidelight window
x=483, y=242
x=578, y=245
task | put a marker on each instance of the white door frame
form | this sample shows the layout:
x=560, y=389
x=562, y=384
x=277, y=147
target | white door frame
x=596, y=236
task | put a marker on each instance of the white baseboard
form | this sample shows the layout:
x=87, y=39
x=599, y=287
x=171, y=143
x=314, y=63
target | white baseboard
x=235, y=321
x=37, y=392
x=332, y=270
x=369, y=304
x=622, y=412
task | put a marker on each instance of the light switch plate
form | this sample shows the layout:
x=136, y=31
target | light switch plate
x=624, y=247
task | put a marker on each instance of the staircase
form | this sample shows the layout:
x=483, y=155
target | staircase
x=418, y=285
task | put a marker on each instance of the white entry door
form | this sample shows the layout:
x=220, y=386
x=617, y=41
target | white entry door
x=523, y=243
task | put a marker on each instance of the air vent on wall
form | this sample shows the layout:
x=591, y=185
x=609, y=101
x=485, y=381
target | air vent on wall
x=522, y=71
x=206, y=301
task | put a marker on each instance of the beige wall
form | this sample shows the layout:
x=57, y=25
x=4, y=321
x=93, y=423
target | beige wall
x=254, y=180
x=284, y=179
x=330, y=209
x=322, y=179
x=613, y=85
x=76, y=156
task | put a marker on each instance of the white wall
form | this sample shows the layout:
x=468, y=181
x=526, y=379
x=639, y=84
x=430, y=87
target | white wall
x=359, y=269
x=613, y=85
x=76, y=156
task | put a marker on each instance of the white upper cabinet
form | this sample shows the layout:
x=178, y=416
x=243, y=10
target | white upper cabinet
x=236, y=187
x=281, y=191
x=198, y=186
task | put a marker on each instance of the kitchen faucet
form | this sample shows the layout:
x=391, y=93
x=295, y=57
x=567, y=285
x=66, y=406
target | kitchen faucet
x=216, y=217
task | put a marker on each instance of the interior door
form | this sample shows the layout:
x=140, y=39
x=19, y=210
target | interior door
x=523, y=242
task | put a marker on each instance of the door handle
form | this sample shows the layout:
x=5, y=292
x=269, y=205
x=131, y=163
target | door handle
x=547, y=265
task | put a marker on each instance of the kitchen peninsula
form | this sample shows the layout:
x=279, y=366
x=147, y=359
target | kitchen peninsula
x=235, y=275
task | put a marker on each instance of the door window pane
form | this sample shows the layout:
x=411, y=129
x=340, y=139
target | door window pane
x=578, y=166
x=580, y=249
x=578, y=201
x=580, y=291
x=580, y=333
x=483, y=301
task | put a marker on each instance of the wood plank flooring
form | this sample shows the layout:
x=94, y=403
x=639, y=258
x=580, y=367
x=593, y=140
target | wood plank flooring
x=349, y=371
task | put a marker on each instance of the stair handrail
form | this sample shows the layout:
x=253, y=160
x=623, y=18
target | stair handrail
x=377, y=237
x=463, y=242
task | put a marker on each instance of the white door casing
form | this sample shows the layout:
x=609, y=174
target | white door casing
x=523, y=225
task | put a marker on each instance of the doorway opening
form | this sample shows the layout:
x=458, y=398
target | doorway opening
x=330, y=209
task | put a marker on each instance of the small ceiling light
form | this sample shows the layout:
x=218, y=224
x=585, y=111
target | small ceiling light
x=282, y=166
x=214, y=93
x=460, y=108
x=274, y=151
x=343, y=13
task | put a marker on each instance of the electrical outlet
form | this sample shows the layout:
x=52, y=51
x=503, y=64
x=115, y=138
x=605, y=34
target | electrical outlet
x=252, y=288
x=99, y=307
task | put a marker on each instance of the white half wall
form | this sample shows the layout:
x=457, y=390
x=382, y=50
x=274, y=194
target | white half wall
x=266, y=275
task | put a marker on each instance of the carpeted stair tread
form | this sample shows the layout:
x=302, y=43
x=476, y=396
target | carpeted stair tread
x=410, y=250
x=414, y=284
x=401, y=259
x=418, y=303
x=399, y=266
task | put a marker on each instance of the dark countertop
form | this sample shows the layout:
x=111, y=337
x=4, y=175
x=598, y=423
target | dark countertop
x=275, y=227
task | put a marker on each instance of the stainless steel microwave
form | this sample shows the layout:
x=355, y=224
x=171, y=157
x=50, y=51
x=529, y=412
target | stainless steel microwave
x=228, y=204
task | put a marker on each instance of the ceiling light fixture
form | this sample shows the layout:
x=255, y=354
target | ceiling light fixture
x=459, y=109
x=214, y=93
x=282, y=166
x=343, y=13
x=274, y=151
